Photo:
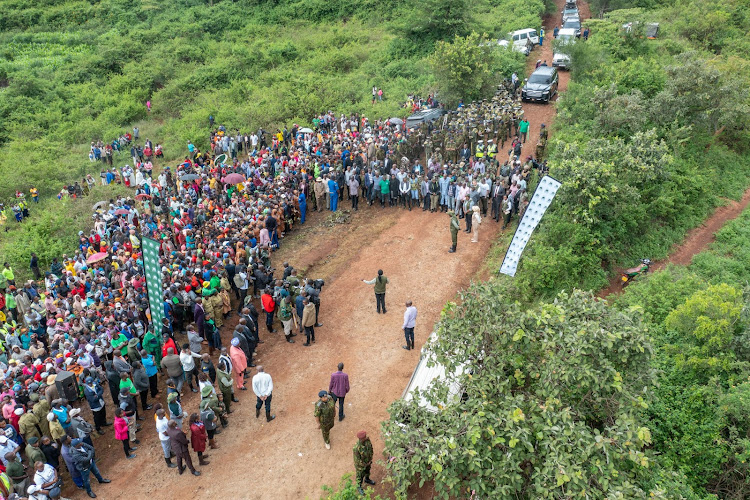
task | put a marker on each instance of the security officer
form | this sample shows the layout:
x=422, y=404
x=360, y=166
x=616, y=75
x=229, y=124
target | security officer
x=479, y=152
x=363, y=460
x=325, y=413
x=454, y=227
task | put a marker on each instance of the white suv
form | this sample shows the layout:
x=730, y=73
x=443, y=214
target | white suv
x=564, y=37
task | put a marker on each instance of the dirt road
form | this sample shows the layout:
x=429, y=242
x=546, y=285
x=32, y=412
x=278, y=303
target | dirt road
x=286, y=458
x=697, y=240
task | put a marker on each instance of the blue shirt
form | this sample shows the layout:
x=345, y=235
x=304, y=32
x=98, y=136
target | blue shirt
x=148, y=364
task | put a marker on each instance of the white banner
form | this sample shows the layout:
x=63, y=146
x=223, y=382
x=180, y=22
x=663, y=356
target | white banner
x=540, y=202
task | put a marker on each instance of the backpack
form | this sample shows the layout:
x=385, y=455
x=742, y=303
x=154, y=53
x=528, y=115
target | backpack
x=238, y=281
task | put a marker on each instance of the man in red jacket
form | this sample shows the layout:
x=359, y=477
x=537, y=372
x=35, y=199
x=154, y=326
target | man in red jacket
x=269, y=306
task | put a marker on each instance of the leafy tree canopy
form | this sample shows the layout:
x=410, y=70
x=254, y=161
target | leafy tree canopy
x=553, y=404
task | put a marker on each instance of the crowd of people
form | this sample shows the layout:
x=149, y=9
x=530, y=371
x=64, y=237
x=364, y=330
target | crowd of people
x=218, y=216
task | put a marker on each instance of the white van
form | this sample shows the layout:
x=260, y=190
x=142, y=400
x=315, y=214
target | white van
x=522, y=38
x=425, y=376
x=564, y=36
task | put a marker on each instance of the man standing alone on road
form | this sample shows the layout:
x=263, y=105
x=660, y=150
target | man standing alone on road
x=410, y=320
x=523, y=128
x=263, y=389
x=339, y=388
x=454, y=227
x=325, y=413
x=380, y=282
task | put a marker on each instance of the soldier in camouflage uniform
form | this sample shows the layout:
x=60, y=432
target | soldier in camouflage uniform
x=363, y=460
x=325, y=412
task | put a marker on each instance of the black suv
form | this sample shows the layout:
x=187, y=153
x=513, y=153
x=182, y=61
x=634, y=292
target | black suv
x=541, y=85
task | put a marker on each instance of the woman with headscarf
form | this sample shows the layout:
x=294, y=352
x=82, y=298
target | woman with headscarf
x=239, y=363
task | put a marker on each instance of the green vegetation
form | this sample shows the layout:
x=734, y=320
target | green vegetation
x=701, y=323
x=553, y=404
x=75, y=71
x=469, y=68
x=649, y=137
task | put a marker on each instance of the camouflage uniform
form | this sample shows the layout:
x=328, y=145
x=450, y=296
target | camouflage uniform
x=325, y=412
x=362, y=459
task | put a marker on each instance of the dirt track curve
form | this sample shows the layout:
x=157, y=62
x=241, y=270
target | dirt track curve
x=697, y=240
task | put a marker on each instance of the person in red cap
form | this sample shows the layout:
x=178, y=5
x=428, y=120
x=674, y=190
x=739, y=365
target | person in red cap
x=363, y=460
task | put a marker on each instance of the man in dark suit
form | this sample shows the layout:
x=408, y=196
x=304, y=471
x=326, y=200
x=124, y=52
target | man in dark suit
x=179, y=444
x=199, y=316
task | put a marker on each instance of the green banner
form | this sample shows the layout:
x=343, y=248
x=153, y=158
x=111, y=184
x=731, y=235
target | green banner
x=153, y=281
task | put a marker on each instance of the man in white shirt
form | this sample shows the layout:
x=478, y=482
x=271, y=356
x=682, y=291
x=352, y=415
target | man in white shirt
x=263, y=388
x=162, y=423
x=410, y=320
x=187, y=358
x=8, y=446
x=46, y=480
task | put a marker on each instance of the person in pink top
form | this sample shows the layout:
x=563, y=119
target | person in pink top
x=239, y=363
x=8, y=406
x=121, y=433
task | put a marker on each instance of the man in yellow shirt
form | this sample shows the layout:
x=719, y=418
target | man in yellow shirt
x=8, y=273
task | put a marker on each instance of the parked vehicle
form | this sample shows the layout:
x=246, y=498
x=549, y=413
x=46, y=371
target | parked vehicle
x=630, y=274
x=569, y=12
x=525, y=49
x=541, y=85
x=428, y=372
x=522, y=37
x=564, y=37
x=573, y=23
x=424, y=116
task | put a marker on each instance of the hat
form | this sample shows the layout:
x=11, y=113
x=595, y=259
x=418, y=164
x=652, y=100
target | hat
x=76, y=442
x=50, y=417
x=361, y=435
x=75, y=412
x=235, y=342
x=18, y=411
x=3, y=439
x=206, y=390
x=32, y=440
x=322, y=393
x=475, y=208
x=171, y=397
x=89, y=380
x=51, y=379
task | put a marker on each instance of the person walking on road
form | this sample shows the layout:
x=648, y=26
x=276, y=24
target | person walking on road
x=263, y=389
x=363, y=460
x=325, y=413
x=454, y=226
x=339, y=388
x=380, y=282
x=410, y=320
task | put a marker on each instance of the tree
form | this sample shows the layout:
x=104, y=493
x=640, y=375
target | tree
x=431, y=21
x=552, y=406
x=463, y=68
